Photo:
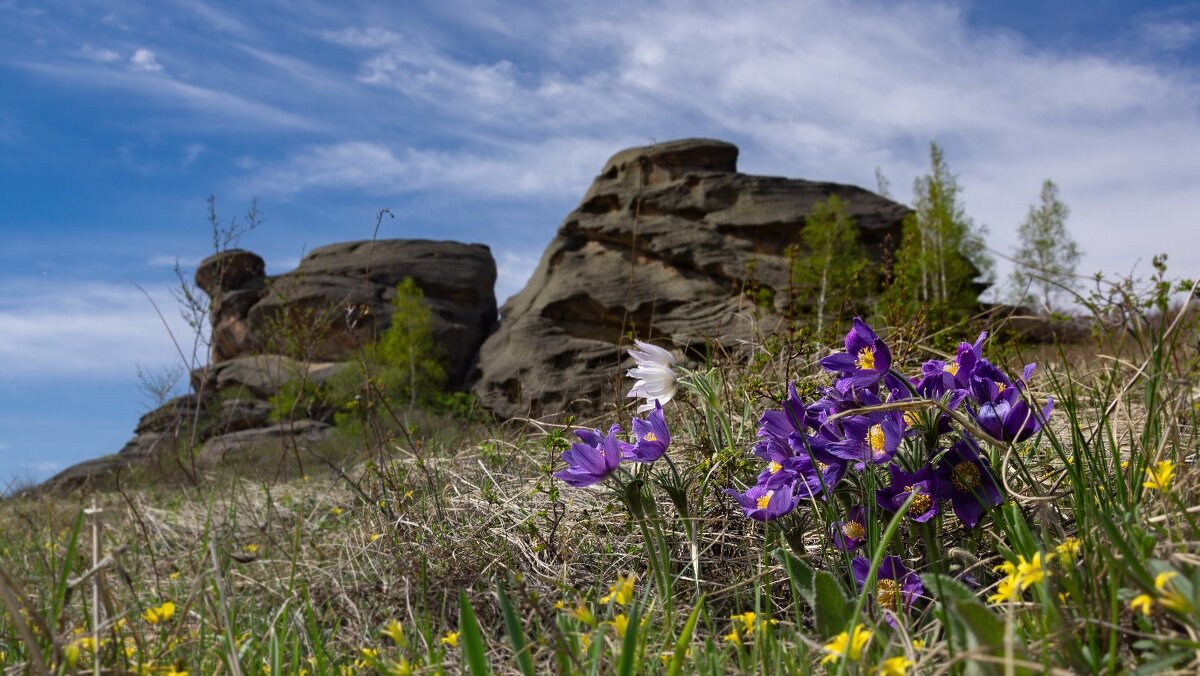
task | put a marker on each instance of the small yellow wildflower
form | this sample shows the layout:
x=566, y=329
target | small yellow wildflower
x=401, y=668
x=621, y=624
x=585, y=640
x=1006, y=590
x=1068, y=549
x=621, y=592
x=160, y=614
x=895, y=666
x=374, y=537
x=450, y=639
x=918, y=643
x=395, y=631
x=582, y=613
x=172, y=671
x=1171, y=598
x=1031, y=572
x=747, y=619
x=733, y=636
x=847, y=645
x=336, y=511
x=251, y=548
x=1160, y=475
x=1141, y=604
x=175, y=576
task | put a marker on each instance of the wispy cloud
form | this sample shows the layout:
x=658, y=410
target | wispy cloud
x=99, y=55
x=86, y=329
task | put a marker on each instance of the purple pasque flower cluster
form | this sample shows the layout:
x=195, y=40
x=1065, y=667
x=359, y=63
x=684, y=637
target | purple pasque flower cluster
x=596, y=455
x=809, y=448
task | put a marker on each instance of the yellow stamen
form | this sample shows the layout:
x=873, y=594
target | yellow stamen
x=888, y=592
x=876, y=439
x=765, y=499
x=774, y=467
x=965, y=476
x=853, y=530
x=866, y=359
x=951, y=368
x=650, y=436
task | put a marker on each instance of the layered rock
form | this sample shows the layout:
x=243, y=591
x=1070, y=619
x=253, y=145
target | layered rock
x=339, y=298
x=663, y=246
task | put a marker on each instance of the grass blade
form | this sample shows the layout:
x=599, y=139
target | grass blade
x=516, y=631
x=472, y=640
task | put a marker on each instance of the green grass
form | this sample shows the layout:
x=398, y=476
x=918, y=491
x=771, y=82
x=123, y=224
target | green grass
x=487, y=563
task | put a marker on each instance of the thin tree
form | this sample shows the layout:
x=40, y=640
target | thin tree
x=1046, y=254
x=832, y=261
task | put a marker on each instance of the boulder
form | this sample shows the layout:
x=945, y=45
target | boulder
x=339, y=298
x=663, y=246
x=274, y=437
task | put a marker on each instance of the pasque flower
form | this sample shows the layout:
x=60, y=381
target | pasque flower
x=865, y=361
x=654, y=375
x=968, y=481
x=871, y=438
x=896, y=587
x=592, y=460
x=653, y=437
x=765, y=504
x=921, y=484
x=850, y=533
x=1011, y=421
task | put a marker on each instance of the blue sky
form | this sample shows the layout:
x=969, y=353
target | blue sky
x=485, y=121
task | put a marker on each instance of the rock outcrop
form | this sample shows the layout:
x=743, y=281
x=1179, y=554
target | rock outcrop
x=339, y=298
x=664, y=245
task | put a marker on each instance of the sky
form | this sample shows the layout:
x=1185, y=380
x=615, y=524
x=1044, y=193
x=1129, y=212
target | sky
x=486, y=121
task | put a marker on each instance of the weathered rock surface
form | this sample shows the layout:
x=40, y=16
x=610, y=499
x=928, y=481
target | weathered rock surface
x=664, y=245
x=339, y=298
x=281, y=436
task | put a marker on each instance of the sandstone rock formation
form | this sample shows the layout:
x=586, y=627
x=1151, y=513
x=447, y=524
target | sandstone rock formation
x=342, y=293
x=664, y=245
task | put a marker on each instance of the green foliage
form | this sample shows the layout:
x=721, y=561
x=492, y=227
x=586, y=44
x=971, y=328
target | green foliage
x=409, y=362
x=832, y=267
x=942, y=257
x=297, y=399
x=1046, y=255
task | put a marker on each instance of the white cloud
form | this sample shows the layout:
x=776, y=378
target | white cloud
x=143, y=59
x=82, y=329
x=519, y=170
x=99, y=55
x=1170, y=35
x=192, y=152
x=827, y=91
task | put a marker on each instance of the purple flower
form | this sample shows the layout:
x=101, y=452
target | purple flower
x=593, y=460
x=896, y=587
x=870, y=438
x=1011, y=421
x=819, y=472
x=864, y=362
x=850, y=533
x=921, y=483
x=765, y=504
x=990, y=385
x=652, y=436
x=966, y=479
x=793, y=419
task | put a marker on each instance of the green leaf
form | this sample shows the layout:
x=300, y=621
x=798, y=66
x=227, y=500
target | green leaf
x=971, y=625
x=629, y=645
x=472, y=640
x=685, y=638
x=516, y=631
x=823, y=592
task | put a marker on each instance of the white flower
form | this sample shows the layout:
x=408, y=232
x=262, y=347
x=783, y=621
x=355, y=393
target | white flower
x=655, y=377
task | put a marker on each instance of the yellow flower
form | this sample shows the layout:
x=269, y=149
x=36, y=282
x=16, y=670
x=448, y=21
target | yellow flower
x=160, y=614
x=621, y=624
x=895, y=666
x=1141, y=604
x=1171, y=598
x=374, y=537
x=918, y=644
x=401, y=668
x=1160, y=475
x=559, y=605
x=747, y=619
x=172, y=671
x=850, y=645
x=585, y=640
x=450, y=639
x=582, y=613
x=733, y=636
x=1006, y=590
x=251, y=548
x=1031, y=572
x=621, y=592
x=175, y=576
x=395, y=631
x=1068, y=549
x=336, y=511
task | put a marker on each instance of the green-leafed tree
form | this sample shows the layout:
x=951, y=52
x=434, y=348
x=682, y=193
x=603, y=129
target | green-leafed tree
x=1046, y=254
x=832, y=266
x=942, y=257
x=408, y=357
